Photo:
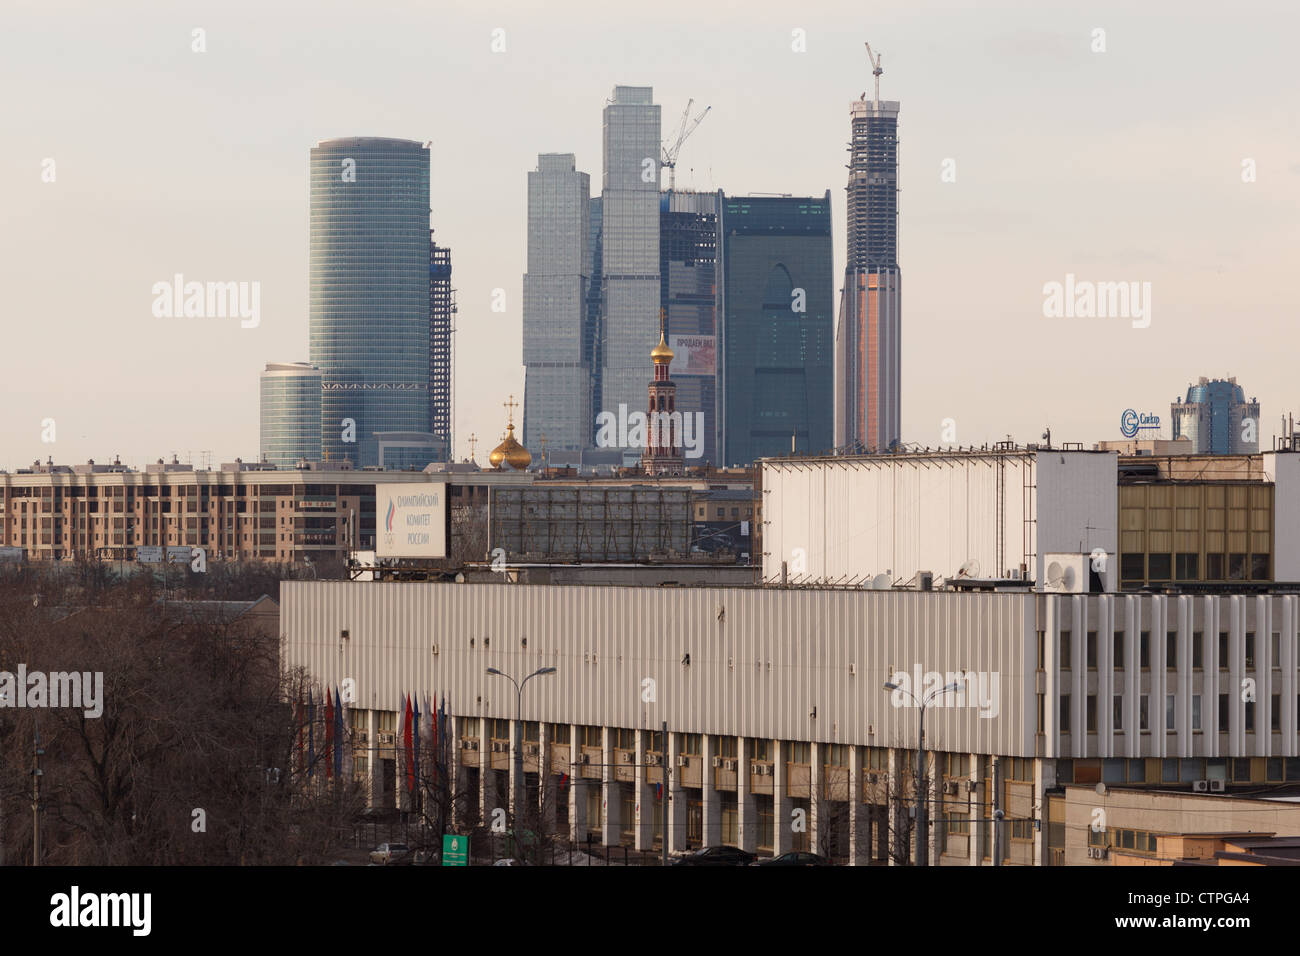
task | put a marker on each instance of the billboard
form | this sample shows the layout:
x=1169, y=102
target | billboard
x=693, y=354
x=411, y=521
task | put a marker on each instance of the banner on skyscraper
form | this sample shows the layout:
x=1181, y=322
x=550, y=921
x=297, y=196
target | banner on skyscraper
x=693, y=354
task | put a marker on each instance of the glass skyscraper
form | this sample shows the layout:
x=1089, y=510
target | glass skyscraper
x=370, y=291
x=776, y=326
x=629, y=246
x=557, y=348
x=1217, y=419
x=290, y=410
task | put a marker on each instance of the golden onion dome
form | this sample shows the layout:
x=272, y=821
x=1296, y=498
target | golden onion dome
x=510, y=452
x=661, y=352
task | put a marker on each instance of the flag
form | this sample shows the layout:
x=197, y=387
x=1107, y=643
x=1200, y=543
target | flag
x=564, y=780
x=415, y=726
x=338, y=733
x=297, y=722
x=311, y=735
x=329, y=732
x=406, y=744
x=434, y=740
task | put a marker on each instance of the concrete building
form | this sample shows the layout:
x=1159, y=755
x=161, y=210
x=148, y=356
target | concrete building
x=371, y=292
x=557, y=369
x=868, y=339
x=776, y=383
x=629, y=245
x=774, y=704
x=1217, y=419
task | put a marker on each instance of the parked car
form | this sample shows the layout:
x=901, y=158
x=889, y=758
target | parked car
x=795, y=858
x=716, y=856
x=510, y=861
x=387, y=853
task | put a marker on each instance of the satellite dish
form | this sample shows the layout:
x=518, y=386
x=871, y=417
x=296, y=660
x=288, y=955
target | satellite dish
x=1101, y=789
x=880, y=582
x=1055, y=575
x=1069, y=579
x=970, y=569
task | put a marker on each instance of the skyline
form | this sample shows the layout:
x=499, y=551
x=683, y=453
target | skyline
x=1095, y=165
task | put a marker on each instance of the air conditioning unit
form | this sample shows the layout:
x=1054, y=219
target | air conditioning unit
x=950, y=787
x=464, y=744
x=728, y=765
x=385, y=738
x=1096, y=853
x=473, y=745
x=1217, y=786
x=362, y=737
x=1200, y=786
x=681, y=760
x=531, y=749
x=628, y=758
x=970, y=786
x=717, y=761
x=873, y=778
x=652, y=760
x=584, y=758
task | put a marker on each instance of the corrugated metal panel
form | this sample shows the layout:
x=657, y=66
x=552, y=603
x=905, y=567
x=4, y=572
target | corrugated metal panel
x=760, y=661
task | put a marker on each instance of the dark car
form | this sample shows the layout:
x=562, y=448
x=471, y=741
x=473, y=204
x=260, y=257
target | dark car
x=716, y=856
x=795, y=859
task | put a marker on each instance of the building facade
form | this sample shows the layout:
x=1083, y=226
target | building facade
x=776, y=386
x=1217, y=419
x=290, y=413
x=869, y=337
x=557, y=359
x=629, y=246
x=370, y=291
x=774, y=704
x=688, y=253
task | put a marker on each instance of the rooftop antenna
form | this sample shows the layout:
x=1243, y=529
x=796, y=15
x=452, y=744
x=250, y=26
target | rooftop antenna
x=874, y=59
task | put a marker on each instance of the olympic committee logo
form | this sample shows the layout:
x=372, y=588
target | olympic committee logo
x=1131, y=422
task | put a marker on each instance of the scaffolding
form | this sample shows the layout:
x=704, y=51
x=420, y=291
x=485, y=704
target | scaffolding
x=442, y=309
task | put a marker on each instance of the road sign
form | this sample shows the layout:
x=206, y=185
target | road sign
x=149, y=554
x=455, y=850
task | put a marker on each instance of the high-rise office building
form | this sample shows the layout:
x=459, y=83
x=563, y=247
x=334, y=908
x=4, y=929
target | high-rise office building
x=688, y=254
x=776, y=323
x=868, y=347
x=1217, y=418
x=290, y=412
x=442, y=309
x=557, y=346
x=371, y=297
x=629, y=246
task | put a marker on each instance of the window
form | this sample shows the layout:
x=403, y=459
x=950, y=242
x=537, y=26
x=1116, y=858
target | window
x=1119, y=649
x=1144, y=650
x=1223, y=712
x=1132, y=567
x=1171, y=650
x=1275, y=717
x=1092, y=650
x=561, y=733
x=1065, y=649
x=1214, y=567
x=1158, y=567
x=1275, y=646
x=1259, y=570
x=1223, y=650
x=1186, y=566
x=626, y=739
x=1170, y=712
x=800, y=752
x=1236, y=567
x=1144, y=723
x=1196, y=713
x=1065, y=714
x=1198, y=650
x=1250, y=649
x=1092, y=714
x=762, y=749
x=1250, y=716
x=1119, y=713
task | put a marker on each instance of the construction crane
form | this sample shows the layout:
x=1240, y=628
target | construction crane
x=670, y=153
x=875, y=71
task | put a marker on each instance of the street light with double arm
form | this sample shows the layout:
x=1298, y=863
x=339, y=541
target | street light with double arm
x=922, y=816
x=519, y=727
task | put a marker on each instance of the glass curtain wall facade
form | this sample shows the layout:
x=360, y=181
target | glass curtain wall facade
x=290, y=413
x=688, y=254
x=557, y=382
x=1215, y=418
x=629, y=246
x=370, y=291
x=775, y=304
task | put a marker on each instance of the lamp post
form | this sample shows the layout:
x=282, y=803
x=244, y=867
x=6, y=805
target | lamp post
x=519, y=724
x=922, y=796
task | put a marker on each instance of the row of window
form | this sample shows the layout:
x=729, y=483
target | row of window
x=1171, y=649
x=1118, y=770
x=1144, y=713
x=1186, y=567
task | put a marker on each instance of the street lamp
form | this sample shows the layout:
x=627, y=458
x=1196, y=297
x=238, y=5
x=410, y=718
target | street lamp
x=922, y=816
x=519, y=724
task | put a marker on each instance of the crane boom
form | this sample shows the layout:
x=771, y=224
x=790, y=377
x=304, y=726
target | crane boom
x=683, y=133
x=874, y=60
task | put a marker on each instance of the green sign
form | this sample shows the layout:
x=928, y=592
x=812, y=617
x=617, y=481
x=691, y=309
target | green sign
x=455, y=850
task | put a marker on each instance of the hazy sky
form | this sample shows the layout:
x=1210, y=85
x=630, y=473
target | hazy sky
x=1125, y=164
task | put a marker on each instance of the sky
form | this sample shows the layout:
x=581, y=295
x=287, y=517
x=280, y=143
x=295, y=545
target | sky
x=1164, y=149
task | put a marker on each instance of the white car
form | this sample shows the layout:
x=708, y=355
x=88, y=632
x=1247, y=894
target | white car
x=387, y=852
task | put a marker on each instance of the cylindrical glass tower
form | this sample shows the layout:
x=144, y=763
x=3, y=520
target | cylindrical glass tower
x=290, y=413
x=370, y=291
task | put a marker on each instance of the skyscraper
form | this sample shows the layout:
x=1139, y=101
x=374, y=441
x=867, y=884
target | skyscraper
x=775, y=282
x=868, y=347
x=370, y=295
x=688, y=254
x=557, y=348
x=629, y=245
x=1217, y=418
x=290, y=411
